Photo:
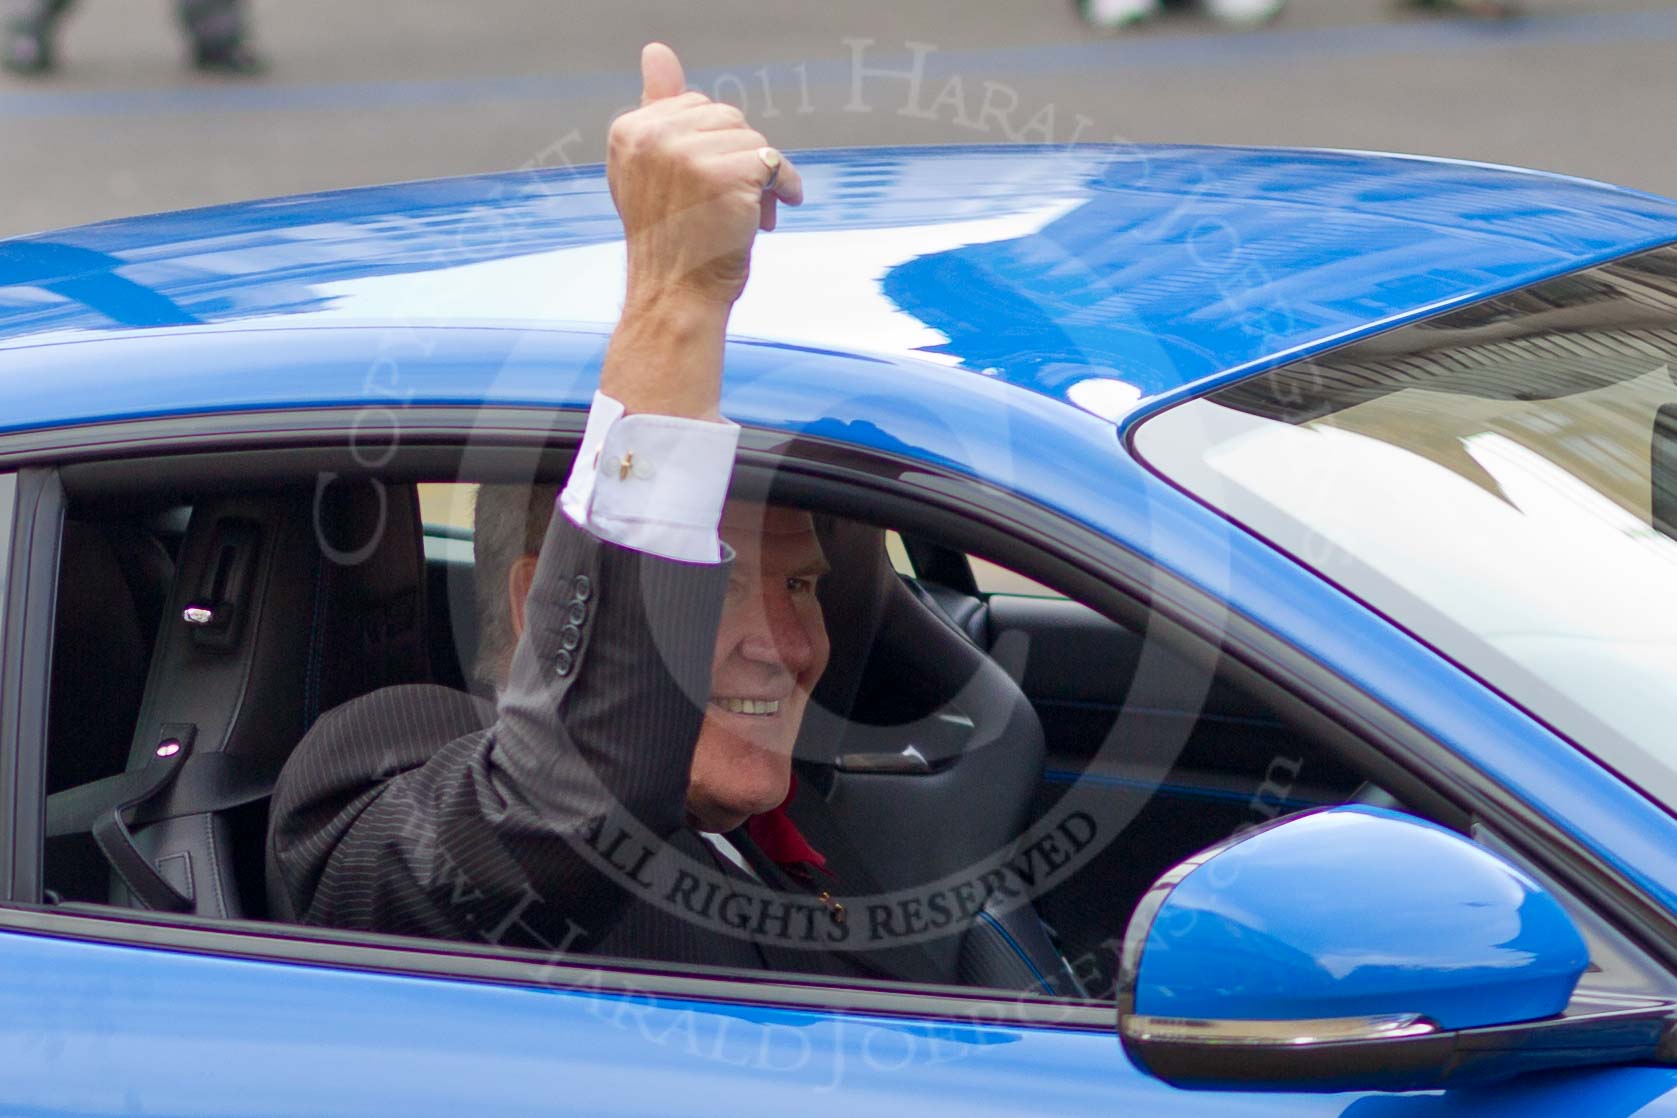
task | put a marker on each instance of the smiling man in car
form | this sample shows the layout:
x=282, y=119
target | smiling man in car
x=652, y=665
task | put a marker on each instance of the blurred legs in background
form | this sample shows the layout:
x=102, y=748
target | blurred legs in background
x=28, y=45
x=216, y=29
x=1111, y=15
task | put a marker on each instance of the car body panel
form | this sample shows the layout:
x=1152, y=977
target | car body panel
x=197, y=1034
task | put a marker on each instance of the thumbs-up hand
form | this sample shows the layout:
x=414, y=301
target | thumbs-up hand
x=693, y=183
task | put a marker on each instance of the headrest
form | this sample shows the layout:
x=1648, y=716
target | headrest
x=895, y=662
x=853, y=596
x=370, y=612
x=898, y=740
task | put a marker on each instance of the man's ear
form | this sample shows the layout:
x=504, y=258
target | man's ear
x=519, y=577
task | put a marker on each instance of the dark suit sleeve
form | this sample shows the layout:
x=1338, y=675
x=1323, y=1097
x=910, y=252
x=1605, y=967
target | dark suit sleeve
x=395, y=814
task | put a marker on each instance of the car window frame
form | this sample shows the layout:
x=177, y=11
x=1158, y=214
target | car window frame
x=849, y=481
x=10, y=735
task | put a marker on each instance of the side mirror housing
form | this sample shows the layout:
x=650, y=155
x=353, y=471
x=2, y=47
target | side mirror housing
x=1355, y=948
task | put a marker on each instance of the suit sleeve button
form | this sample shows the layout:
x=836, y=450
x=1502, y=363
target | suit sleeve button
x=569, y=637
x=582, y=589
x=562, y=663
x=578, y=613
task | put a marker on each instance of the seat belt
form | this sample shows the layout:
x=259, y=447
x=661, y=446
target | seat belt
x=174, y=782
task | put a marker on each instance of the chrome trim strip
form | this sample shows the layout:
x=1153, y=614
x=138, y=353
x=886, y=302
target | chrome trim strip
x=1322, y=1030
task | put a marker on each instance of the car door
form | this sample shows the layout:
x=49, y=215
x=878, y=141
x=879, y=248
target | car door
x=119, y=1008
x=116, y=1009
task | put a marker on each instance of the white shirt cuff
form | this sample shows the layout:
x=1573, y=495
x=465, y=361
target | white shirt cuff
x=654, y=483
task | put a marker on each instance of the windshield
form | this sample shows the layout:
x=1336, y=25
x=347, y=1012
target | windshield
x=1501, y=480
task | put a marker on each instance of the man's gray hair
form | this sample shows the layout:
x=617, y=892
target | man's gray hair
x=508, y=522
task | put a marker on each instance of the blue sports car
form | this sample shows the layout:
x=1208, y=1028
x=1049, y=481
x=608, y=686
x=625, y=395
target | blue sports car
x=1254, y=640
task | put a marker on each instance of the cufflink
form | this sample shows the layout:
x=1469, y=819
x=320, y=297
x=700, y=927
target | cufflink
x=629, y=466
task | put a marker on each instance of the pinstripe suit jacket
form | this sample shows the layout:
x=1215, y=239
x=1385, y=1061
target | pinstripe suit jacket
x=421, y=810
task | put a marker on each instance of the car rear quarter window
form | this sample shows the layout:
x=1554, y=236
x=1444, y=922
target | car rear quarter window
x=1501, y=481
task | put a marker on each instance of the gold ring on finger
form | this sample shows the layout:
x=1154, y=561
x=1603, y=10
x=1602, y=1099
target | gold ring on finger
x=772, y=159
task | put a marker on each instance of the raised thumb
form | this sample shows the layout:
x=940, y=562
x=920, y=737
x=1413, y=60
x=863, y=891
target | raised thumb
x=661, y=74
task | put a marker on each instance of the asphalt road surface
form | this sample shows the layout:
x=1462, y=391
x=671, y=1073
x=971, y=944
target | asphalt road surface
x=367, y=91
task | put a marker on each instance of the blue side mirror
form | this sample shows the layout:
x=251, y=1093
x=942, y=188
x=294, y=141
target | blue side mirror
x=1356, y=948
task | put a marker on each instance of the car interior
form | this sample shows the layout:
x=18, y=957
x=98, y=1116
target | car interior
x=228, y=608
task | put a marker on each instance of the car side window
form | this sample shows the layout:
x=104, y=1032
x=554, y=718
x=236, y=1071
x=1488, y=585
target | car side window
x=979, y=804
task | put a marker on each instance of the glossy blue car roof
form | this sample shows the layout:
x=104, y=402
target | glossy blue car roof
x=1143, y=271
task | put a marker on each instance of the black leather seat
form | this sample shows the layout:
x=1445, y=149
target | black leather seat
x=927, y=754
x=299, y=600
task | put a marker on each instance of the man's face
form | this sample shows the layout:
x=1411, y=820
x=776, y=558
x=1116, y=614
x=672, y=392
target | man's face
x=771, y=647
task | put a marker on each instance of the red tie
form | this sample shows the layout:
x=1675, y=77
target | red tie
x=777, y=836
